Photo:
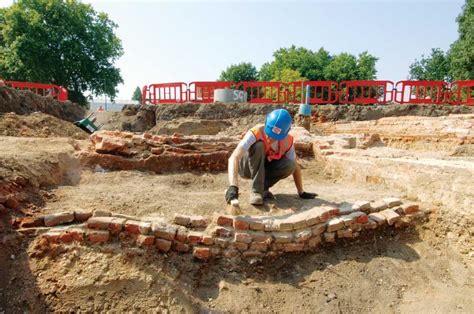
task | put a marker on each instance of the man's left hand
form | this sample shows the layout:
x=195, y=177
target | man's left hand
x=307, y=195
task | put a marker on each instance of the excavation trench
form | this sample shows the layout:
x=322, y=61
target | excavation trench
x=148, y=178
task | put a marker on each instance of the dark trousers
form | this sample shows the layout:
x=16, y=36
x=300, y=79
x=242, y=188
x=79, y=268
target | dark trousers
x=264, y=174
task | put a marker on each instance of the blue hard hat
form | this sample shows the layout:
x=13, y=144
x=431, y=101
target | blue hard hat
x=278, y=124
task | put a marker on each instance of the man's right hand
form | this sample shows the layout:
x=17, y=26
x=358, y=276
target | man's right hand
x=232, y=193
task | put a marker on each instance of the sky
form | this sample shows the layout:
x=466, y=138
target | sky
x=185, y=41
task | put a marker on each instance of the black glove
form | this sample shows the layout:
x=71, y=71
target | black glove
x=232, y=193
x=307, y=195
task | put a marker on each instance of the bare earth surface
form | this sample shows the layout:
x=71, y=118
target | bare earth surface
x=404, y=271
x=423, y=269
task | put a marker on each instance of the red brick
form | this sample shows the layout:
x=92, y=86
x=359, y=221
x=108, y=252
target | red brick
x=195, y=237
x=101, y=223
x=180, y=247
x=410, y=208
x=335, y=224
x=345, y=233
x=77, y=234
x=252, y=254
x=137, y=227
x=166, y=231
x=65, y=237
x=207, y=240
x=257, y=225
x=241, y=223
x=222, y=231
x=283, y=237
x=225, y=220
x=181, y=234
x=182, y=220
x=378, y=218
x=98, y=236
x=52, y=236
x=80, y=216
x=163, y=245
x=303, y=235
x=58, y=218
x=230, y=253
x=315, y=241
x=116, y=225
x=391, y=216
x=145, y=240
x=29, y=222
x=240, y=246
x=370, y=224
x=259, y=246
x=242, y=237
x=293, y=247
x=223, y=243
x=201, y=252
x=318, y=229
x=198, y=221
x=362, y=219
x=12, y=203
x=101, y=213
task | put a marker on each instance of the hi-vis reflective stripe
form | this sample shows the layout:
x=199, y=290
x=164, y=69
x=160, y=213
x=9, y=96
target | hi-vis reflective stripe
x=283, y=146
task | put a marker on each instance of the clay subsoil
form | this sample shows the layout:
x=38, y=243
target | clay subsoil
x=419, y=269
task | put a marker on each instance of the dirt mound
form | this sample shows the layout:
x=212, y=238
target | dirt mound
x=38, y=124
x=25, y=102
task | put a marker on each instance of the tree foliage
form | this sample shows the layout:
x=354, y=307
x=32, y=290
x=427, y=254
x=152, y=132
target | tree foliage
x=319, y=65
x=61, y=42
x=434, y=67
x=289, y=75
x=242, y=72
x=461, y=54
x=137, y=95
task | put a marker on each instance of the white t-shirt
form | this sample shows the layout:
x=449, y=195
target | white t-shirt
x=250, y=139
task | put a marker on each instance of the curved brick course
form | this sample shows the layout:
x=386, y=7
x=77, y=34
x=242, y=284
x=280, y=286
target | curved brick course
x=231, y=236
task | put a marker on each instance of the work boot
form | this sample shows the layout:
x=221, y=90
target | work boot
x=267, y=195
x=256, y=198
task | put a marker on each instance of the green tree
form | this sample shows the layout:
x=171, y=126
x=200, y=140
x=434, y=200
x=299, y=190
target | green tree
x=341, y=68
x=137, y=95
x=461, y=54
x=61, y=42
x=366, y=69
x=308, y=63
x=242, y=72
x=289, y=75
x=434, y=67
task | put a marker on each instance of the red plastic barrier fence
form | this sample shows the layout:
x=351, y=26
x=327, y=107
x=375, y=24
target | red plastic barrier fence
x=47, y=90
x=421, y=92
x=462, y=93
x=169, y=93
x=203, y=92
x=320, y=92
x=365, y=92
x=264, y=92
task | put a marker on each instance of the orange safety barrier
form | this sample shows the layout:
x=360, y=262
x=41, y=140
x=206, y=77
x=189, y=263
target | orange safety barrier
x=365, y=92
x=421, y=92
x=203, y=92
x=47, y=90
x=462, y=93
x=264, y=92
x=168, y=93
x=320, y=92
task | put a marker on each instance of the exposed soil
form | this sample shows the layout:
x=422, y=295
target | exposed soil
x=25, y=102
x=420, y=269
x=38, y=124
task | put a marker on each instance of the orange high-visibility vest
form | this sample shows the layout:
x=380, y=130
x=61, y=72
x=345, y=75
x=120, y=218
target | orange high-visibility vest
x=283, y=146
